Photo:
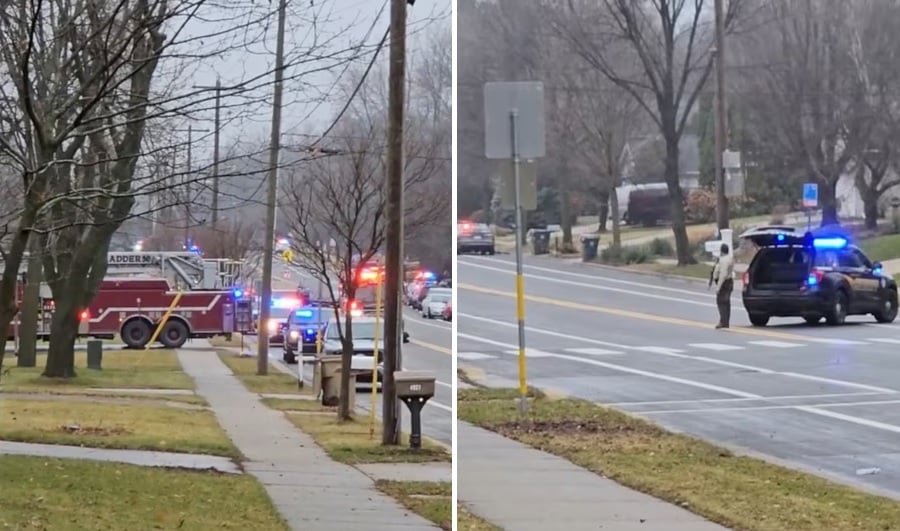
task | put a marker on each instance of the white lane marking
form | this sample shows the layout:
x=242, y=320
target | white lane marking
x=593, y=351
x=764, y=408
x=889, y=340
x=659, y=350
x=597, y=287
x=629, y=370
x=428, y=323
x=545, y=332
x=835, y=341
x=776, y=344
x=700, y=385
x=718, y=347
x=473, y=356
x=530, y=353
x=731, y=400
x=598, y=278
x=674, y=353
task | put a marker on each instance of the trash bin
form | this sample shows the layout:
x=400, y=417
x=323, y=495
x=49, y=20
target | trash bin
x=589, y=245
x=540, y=241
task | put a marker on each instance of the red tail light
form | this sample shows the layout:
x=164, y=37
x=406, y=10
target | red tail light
x=354, y=305
x=85, y=315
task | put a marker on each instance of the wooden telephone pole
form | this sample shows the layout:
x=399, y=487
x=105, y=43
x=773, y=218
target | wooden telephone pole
x=393, y=323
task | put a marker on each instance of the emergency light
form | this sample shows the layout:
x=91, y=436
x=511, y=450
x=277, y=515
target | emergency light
x=830, y=243
x=428, y=274
x=306, y=314
x=285, y=304
x=238, y=293
x=779, y=238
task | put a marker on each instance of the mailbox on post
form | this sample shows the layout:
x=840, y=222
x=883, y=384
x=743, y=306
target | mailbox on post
x=414, y=388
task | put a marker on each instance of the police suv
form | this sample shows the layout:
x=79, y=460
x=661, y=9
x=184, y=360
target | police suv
x=796, y=274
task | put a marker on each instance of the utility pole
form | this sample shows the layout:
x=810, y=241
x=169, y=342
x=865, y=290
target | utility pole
x=265, y=305
x=215, y=168
x=721, y=117
x=393, y=321
x=190, y=175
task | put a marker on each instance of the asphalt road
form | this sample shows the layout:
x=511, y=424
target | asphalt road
x=824, y=399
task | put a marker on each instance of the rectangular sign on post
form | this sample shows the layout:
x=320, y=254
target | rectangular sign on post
x=501, y=99
x=810, y=195
x=528, y=182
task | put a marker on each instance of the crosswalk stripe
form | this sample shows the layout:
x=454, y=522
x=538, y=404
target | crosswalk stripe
x=593, y=351
x=835, y=341
x=715, y=346
x=775, y=344
x=890, y=340
x=473, y=356
x=531, y=353
x=660, y=350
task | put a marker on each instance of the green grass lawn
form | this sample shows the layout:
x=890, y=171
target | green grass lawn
x=882, y=248
x=70, y=495
x=275, y=382
x=133, y=369
x=102, y=425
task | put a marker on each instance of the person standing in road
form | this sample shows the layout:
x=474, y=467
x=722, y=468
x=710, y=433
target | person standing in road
x=723, y=277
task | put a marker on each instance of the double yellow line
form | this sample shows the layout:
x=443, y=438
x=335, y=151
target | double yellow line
x=642, y=315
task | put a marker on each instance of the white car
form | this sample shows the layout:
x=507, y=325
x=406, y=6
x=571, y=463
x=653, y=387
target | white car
x=362, y=363
x=435, y=302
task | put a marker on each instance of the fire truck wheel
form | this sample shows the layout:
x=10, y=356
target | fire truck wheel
x=136, y=333
x=174, y=334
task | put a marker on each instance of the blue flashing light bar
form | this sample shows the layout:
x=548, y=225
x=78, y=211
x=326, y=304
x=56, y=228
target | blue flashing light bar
x=830, y=243
x=779, y=237
x=812, y=280
x=428, y=274
x=238, y=293
x=305, y=314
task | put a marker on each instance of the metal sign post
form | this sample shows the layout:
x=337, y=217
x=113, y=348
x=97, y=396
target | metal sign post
x=514, y=129
x=810, y=201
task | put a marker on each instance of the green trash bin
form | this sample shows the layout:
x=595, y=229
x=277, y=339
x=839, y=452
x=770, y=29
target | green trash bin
x=589, y=245
x=540, y=241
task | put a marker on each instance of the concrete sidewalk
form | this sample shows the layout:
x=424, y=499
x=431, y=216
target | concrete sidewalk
x=521, y=489
x=309, y=489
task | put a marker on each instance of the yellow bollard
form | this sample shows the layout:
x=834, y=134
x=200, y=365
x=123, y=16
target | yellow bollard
x=165, y=318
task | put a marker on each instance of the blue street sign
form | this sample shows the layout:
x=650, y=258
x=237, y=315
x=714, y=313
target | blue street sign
x=810, y=195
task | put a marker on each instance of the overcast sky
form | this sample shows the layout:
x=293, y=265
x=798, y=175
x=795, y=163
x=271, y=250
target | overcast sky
x=311, y=100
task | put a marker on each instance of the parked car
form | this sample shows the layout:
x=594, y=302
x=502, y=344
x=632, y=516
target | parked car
x=434, y=303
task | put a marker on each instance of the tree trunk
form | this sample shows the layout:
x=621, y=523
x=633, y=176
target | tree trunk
x=565, y=215
x=344, y=406
x=679, y=229
x=31, y=305
x=63, y=331
x=616, y=216
x=829, y=203
x=6, y=318
x=870, y=208
x=603, y=215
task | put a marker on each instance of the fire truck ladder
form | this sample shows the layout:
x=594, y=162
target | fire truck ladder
x=186, y=270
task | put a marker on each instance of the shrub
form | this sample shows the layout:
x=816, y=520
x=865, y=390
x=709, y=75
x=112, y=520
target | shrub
x=700, y=206
x=612, y=255
x=661, y=247
x=636, y=255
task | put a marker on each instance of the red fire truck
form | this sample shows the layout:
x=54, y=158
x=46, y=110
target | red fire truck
x=133, y=308
x=140, y=287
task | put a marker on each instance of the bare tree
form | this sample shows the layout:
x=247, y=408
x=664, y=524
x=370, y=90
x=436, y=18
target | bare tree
x=807, y=93
x=658, y=51
x=339, y=197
